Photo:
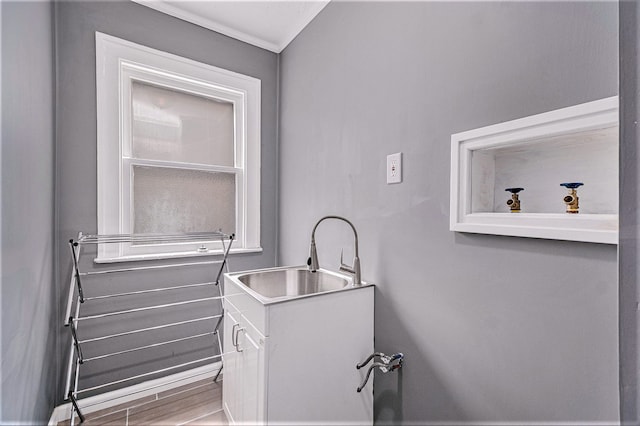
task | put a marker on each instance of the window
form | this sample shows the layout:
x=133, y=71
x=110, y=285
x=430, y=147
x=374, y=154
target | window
x=178, y=150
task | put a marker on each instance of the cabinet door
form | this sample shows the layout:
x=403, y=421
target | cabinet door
x=231, y=373
x=243, y=381
x=252, y=366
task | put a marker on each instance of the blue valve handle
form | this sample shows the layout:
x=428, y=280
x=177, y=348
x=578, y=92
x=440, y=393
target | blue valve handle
x=514, y=190
x=571, y=185
x=397, y=356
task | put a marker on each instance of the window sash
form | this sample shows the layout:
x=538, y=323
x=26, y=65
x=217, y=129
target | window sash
x=134, y=72
x=191, y=128
x=131, y=72
x=128, y=213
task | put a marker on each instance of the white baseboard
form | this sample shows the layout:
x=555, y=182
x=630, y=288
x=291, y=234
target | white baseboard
x=130, y=393
x=60, y=413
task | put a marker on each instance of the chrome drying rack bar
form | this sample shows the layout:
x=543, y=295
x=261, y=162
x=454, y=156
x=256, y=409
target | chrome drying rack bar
x=77, y=298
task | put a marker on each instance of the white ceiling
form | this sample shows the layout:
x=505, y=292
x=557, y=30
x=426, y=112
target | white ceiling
x=269, y=24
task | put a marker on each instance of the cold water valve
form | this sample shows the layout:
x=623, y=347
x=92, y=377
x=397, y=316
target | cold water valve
x=514, y=202
x=571, y=200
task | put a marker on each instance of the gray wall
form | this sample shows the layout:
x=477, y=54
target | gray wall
x=493, y=328
x=629, y=210
x=28, y=346
x=76, y=24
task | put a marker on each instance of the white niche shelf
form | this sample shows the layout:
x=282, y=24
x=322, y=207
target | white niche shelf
x=537, y=153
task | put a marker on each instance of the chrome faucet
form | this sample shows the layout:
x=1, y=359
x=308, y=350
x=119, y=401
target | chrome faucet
x=313, y=253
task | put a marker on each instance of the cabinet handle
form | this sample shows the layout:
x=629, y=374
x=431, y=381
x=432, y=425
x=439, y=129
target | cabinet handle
x=233, y=336
x=234, y=333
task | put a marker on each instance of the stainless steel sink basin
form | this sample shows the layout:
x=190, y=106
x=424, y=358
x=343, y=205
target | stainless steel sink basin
x=291, y=282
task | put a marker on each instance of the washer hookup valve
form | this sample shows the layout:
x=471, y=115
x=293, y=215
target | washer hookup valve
x=571, y=200
x=514, y=202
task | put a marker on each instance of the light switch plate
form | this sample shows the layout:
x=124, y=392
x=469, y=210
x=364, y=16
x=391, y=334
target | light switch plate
x=394, y=168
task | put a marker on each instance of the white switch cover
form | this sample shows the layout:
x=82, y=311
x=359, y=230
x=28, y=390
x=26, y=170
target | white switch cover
x=394, y=168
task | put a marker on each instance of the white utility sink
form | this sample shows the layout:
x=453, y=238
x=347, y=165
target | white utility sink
x=292, y=339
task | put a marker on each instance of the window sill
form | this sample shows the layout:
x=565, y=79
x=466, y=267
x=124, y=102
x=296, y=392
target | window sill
x=177, y=255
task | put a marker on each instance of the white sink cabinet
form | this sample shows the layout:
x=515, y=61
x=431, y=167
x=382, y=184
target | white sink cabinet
x=294, y=360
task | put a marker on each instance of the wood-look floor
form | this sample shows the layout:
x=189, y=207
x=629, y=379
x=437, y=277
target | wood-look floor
x=199, y=403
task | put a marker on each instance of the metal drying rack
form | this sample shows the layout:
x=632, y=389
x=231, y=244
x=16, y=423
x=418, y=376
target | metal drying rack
x=77, y=298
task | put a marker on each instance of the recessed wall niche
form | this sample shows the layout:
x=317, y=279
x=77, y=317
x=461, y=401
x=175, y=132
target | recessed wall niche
x=537, y=153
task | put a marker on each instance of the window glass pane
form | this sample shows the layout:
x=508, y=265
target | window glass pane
x=169, y=200
x=172, y=125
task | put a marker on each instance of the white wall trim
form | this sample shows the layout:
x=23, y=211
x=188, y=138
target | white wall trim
x=130, y=393
x=302, y=24
x=276, y=47
x=529, y=131
x=171, y=10
x=118, y=63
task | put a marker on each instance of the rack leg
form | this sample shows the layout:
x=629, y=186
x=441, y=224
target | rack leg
x=215, y=329
x=76, y=408
x=224, y=259
x=76, y=271
x=215, y=379
x=75, y=340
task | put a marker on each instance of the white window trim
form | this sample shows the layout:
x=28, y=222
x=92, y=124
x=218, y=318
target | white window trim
x=118, y=62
